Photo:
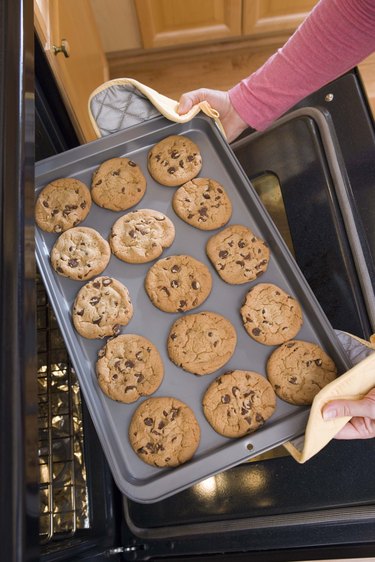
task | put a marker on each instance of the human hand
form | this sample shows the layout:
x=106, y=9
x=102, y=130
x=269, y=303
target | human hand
x=231, y=121
x=362, y=424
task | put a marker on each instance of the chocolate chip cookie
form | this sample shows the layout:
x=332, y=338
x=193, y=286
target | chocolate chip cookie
x=270, y=315
x=118, y=184
x=238, y=403
x=164, y=432
x=201, y=343
x=237, y=254
x=174, y=160
x=80, y=253
x=101, y=307
x=62, y=204
x=129, y=366
x=298, y=370
x=203, y=203
x=141, y=236
x=178, y=283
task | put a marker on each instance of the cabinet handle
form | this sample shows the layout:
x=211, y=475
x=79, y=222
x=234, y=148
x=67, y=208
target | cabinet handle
x=64, y=48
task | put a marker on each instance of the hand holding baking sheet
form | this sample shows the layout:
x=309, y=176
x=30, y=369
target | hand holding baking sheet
x=220, y=101
x=356, y=386
x=362, y=423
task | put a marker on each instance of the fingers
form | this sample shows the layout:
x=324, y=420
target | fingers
x=189, y=99
x=357, y=428
x=362, y=408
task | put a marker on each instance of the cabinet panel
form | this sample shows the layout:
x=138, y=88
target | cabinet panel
x=174, y=22
x=267, y=16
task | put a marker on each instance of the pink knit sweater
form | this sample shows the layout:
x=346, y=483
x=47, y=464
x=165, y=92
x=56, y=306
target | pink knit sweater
x=334, y=38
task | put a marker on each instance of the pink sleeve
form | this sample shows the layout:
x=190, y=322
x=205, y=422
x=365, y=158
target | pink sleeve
x=334, y=38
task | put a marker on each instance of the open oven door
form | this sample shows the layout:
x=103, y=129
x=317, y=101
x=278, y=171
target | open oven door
x=314, y=171
x=270, y=509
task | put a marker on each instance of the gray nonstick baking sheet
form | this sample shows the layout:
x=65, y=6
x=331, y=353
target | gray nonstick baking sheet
x=137, y=480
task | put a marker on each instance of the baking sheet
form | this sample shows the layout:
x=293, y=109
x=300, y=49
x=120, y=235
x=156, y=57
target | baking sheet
x=137, y=480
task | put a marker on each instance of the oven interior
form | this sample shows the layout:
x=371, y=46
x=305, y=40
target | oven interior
x=270, y=503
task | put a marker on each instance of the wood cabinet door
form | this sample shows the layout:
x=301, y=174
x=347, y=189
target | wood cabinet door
x=70, y=25
x=174, y=22
x=267, y=16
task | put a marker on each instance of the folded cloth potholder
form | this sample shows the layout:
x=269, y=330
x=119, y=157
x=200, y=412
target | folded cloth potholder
x=123, y=102
x=352, y=385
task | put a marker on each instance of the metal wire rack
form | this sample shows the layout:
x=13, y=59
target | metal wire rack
x=64, y=500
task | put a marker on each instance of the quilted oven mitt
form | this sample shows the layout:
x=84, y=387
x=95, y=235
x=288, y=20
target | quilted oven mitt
x=123, y=102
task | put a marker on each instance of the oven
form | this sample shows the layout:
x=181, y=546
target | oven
x=314, y=171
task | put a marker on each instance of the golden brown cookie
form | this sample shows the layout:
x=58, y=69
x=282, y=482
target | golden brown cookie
x=270, y=315
x=129, y=366
x=178, y=283
x=80, y=253
x=118, y=184
x=141, y=236
x=203, y=203
x=238, y=402
x=164, y=432
x=298, y=370
x=101, y=307
x=174, y=160
x=201, y=343
x=237, y=254
x=62, y=204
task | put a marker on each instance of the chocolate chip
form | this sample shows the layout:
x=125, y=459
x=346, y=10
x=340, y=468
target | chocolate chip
x=225, y=399
x=83, y=205
x=173, y=336
x=293, y=380
x=130, y=387
x=256, y=331
x=171, y=170
x=175, y=284
x=175, y=269
x=175, y=154
x=166, y=291
x=190, y=158
x=107, y=282
x=45, y=204
x=195, y=285
x=129, y=364
x=182, y=305
x=203, y=211
x=318, y=362
x=148, y=421
x=132, y=233
x=94, y=300
x=73, y=263
x=235, y=390
x=223, y=254
x=241, y=244
x=97, y=320
x=132, y=164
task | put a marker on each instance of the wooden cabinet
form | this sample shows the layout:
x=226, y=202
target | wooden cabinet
x=174, y=22
x=272, y=16
x=165, y=23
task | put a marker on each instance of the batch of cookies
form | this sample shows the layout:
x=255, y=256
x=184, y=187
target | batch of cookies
x=164, y=431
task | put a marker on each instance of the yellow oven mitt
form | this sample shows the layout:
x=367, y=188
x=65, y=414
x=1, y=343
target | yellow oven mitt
x=123, y=102
x=352, y=385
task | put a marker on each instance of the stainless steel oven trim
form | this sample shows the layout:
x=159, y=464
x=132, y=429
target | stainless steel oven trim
x=326, y=516
x=341, y=183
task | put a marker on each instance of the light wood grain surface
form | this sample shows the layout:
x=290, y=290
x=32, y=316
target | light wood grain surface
x=174, y=72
